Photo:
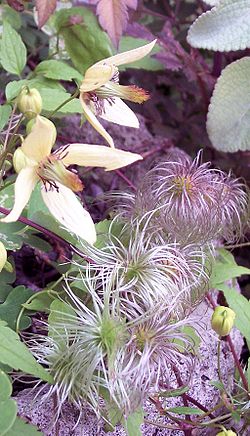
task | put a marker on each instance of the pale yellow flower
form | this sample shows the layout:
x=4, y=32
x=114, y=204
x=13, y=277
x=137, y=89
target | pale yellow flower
x=34, y=163
x=3, y=256
x=101, y=93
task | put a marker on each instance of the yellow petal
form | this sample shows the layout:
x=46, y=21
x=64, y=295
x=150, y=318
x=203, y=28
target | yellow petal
x=118, y=112
x=90, y=116
x=38, y=144
x=128, y=56
x=3, y=256
x=67, y=209
x=98, y=156
x=24, y=185
x=96, y=76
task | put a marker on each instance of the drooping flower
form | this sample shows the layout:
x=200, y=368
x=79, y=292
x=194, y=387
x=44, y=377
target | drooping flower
x=101, y=94
x=35, y=163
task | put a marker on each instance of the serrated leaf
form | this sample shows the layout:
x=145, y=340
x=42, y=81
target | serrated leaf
x=45, y=9
x=113, y=17
x=5, y=111
x=85, y=42
x=20, y=427
x=10, y=309
x=228, y=121
x=133, y=423
x=58, y=70
x=185, y=410
x=8, y=411
x=14, y=353
x=5, y=386
x=226, y=27
x=241, y=306
x=13, y=51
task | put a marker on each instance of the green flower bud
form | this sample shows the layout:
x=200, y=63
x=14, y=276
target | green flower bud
x=29, y=102
x=222, y=320
x=226, y=433
x=3, y=256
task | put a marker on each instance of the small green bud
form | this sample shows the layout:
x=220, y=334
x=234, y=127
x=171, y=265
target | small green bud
x=223, y=320
x=226, y=433
x=3, y=256
x=29, y=102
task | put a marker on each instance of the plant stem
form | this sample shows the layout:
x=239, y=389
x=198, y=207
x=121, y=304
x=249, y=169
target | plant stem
x=237, y=363
x=72, y=97
x=48, y=233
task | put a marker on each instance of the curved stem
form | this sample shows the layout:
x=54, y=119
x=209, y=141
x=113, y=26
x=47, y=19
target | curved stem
x=72, y=97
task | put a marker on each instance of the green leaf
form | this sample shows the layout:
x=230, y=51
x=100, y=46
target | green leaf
x=13, y=88
x=52, y=98
x=218, y=385
x=14, y=353
x=5, y=387
x=9, y=310
x=147, y=63
x=226, y=27
x=228, y=121
x=241, y=307
x=85, y=43
x=41, y=301
x=20, y=427
x=174, y=392
x=8, y=411
x=58, y=70
x=133, y=423
x=13, y=51
x=185, y=410
x=5, y=111
x=225, y=268
x=12, y=16
x=59, y=312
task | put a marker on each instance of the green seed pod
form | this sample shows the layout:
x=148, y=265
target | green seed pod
x=226, y=433
x=222, y=320
x=3, y=256
x=29, y=102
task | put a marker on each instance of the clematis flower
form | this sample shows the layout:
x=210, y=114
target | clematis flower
x=35, y=163
x=101, y=94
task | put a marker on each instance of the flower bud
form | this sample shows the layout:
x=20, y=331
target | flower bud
x=3, y=256
x=222, y=320
x=20, y=160
x=29, y=102
x=226, y=433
